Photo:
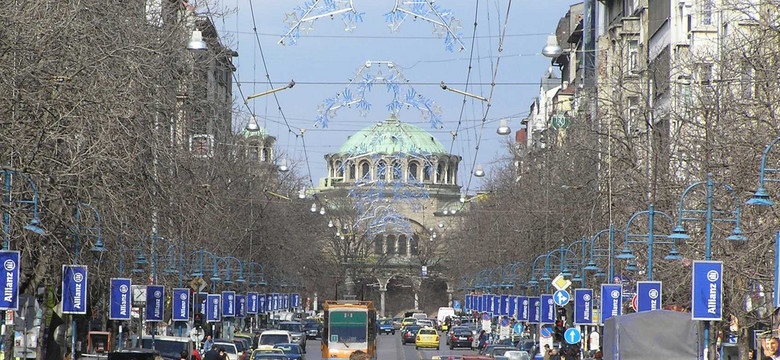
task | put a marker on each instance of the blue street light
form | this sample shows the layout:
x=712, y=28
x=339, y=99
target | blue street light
x=35, y=223
x=761, y=197
x=649, y=239
x=98, y=248
x=608, y=252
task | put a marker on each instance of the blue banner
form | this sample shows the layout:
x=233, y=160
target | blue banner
x=228, y=303
x=181, y=305
x=483, y=303
x=547, y=310
x=503, y=303
x=252, y=303
x=285, y=301
x=648, y=295
x=611, y=304
x=467, y=302
x=511, y=306
x=202, y=299
x=269, y=302
x=120, y=299
x=522, y=308
x=707, y=287
x=533, y=310
x=213, y=310
x=240, y=306
x=276, y=304
x=496, y=304
x=264, y=301
x=10, y=276
x=155, y=303
x=777, y=270
x=74, y=289
x=583, y=307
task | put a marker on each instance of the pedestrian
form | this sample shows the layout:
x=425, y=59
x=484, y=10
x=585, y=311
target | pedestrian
x=771, y=346
x=482, y=340
x=184, y=355
x=554, y=355
x=222, y=354
x=195, y=354
x=256, y=339
x=207, y=344
x=212, y=354
x=547, y=352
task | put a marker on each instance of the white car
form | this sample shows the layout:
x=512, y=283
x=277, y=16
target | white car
x=273, y=337
x=425, y=323
x=230, y=348
x=517, y=355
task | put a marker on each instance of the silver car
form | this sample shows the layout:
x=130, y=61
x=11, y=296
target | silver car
x=297, y=332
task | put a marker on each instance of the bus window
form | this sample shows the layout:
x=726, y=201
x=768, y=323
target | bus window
x=348, y=327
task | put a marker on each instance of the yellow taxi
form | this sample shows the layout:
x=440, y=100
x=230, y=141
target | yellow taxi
x=266, y=349
x=408, y=321
x=427, y=337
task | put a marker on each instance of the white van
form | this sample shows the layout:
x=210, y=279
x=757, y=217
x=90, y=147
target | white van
x=273, y=337
x=443, y=314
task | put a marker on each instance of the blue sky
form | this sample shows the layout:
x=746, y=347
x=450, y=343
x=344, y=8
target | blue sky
x=322, y=63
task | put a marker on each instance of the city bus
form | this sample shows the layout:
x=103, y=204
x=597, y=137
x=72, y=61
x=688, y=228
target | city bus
x=350, y=325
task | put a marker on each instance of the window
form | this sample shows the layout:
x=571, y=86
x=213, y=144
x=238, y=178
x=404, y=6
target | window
x=397, y=173
x=401, y=244
x=412, y=171
x=705, y=73
x=633, y=116
x=202, y=145
x=686, y=99
x=706, y=12
x=390, y=244
x=746, y=80
x=413, y=250
x=379, y=245
x=254, y=152
x=633, y=55
x=365, y=171
x=339, y=169
x=381, y=171
x=427, y=173
x=439, y=173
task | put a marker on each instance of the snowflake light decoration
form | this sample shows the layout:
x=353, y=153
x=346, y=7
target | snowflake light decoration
x=445, y=25
x=368, y=75
x=302, y=18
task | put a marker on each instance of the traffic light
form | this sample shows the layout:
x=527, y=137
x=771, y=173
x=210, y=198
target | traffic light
x=198, y=320
x=559, y=330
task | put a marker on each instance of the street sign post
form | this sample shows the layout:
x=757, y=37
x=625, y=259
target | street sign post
x=547, y=310
x=9, y=273
x=533, y=310
x=583, y=307
x=611, y=304
x=707, y=290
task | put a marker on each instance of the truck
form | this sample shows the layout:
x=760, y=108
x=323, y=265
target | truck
x=442, y=315
x=658, y=334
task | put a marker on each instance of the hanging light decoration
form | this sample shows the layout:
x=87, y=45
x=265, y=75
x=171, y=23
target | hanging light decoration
x=330, y=223
x=283, y=167
x=302, y=193
x=479, y=172
x=322, y=210
x=503, y=128
x=314, y=207
x=252, y=125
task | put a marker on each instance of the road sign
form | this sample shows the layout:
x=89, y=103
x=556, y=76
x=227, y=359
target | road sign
x=561, y=297
x=634, y=304
x=560, y=283
x=572, y=335
x=197, y=284
x=560, y=121
x=505, y=322
x=518, y=328
x=546, y=331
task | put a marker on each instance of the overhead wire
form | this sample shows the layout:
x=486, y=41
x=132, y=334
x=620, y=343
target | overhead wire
x=489, y=98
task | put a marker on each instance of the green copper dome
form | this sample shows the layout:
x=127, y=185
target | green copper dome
x=392, y=137
x=249, y=133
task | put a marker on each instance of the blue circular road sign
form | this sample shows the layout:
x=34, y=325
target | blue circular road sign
x=518, y=328
x=561, y=297
x=546, y=331
x=572, y=335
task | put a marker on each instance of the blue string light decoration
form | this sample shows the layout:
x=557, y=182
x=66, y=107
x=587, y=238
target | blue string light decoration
x=302, y=18
x=445, y=25
x=368, y=75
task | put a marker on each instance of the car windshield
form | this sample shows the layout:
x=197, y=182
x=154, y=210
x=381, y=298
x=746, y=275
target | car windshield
x=295, y=327
x=269, y=357
x=412, y=329
x=348, y=327
x=385, y=322
x=239, y=344
x=427, y=332
x=167, y=348
x=273, y=339
x=462, y=332
x=288, y=348
x=227, y=347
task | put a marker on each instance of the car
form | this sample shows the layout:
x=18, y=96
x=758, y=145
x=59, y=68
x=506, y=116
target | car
x=499, y=350
x=385, y=326
x=230, y=348
x=292, y=351
x=427, y=337
x=269, y=356
x=461, y=337
x=296, y=332
x=449, y=333
x=134, y=354
x=408, y=321
x=517, y=355
x=170, y=347
x=425, y=323
x=528, y=345
x=409, y=333
x=273, y=337
x=243, y=346
x=267, y=349
x=313, y=328
x=397, y=323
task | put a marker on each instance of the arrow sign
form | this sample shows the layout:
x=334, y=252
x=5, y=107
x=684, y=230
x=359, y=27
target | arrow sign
x=561, y=297
x=572, y=335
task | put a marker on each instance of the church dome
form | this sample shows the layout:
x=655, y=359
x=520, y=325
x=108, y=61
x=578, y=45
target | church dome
x=392, y=137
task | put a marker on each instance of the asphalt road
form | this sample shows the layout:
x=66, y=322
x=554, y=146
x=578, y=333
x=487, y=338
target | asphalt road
x=389, y=348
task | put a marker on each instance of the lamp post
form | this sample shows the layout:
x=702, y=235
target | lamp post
x=649, y=238
x=35, y=222
x=708, y=215
x=761, y=197
x=98, y=250
x=608, y=252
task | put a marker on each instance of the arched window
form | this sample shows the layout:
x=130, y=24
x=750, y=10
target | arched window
x=402, y=245
x=379, y=245
x=264, y=155
x=451, y=173
x=412, y=171
x=413, y=250
x=365, y=171
x=390, y=244
x=254, y=152
x=381, y=171
x=427, y=173
x=397, y=173
x=351, y=170
x=440, y=174
x=339, y=170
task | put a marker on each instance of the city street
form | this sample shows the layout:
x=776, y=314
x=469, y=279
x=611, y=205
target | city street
x=389, y=347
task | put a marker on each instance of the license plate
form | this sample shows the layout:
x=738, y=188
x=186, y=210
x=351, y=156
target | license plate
x=461, y=338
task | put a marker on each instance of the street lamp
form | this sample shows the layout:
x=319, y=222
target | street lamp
x=761, y=197
x=503, y=128
x=196, y=41
x=649, y=239
x=608, y=252
x=552, y=49
x=479, y=172
x=35, y=222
